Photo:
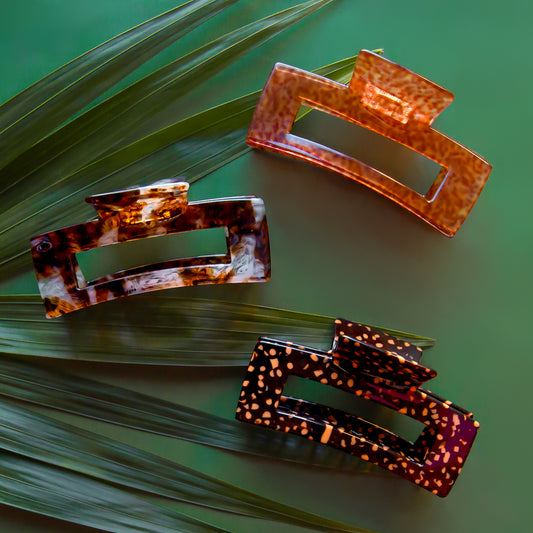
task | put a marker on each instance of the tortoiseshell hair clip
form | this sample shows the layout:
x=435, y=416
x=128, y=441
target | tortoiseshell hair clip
x=388, y=99
x=158, y=209
x=374, y=366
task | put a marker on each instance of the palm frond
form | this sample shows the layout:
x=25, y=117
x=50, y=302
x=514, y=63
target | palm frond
x=160, y=329
x=34, y=384
x=124, y=118
x=38, y=110
x=67, y=495
x=32, y=438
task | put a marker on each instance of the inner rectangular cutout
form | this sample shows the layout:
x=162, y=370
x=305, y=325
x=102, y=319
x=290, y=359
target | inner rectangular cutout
x=397, y=161
x=313, y=391
x=99, y=262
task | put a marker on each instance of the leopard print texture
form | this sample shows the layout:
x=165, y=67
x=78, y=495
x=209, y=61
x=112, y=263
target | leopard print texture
x=374, y=366
x=387, y=99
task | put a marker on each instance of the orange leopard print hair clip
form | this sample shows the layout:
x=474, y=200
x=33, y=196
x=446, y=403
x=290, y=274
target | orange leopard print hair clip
x=387, y=99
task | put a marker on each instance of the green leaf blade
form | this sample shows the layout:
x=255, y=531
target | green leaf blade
x=160, y=329
x=69, y=393
x=34, y=113
x=37, y=487
x=62, y=445
x=133, y=113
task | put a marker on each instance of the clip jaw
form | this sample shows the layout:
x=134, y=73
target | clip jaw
x=374, y=366
x=390, y=100
x=159, y=209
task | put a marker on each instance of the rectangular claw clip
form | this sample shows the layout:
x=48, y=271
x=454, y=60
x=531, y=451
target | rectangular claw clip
x=388, y=99
x=158, y=209
x=374, y=366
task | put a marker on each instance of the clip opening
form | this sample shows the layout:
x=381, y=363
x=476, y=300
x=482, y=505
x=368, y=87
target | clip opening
x=353, y=425
x=127, y=258
x=375, y=151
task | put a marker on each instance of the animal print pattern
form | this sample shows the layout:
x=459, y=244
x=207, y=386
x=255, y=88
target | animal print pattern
x=374, y=366
x=387, y=99
x=159, y=209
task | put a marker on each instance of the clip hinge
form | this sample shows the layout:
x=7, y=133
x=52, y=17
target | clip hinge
x=397, y=92
x=141, y=205
x=386, y=103
x=386, y=360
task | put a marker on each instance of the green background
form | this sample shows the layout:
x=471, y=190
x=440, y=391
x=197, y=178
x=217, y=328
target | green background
x=339, y=249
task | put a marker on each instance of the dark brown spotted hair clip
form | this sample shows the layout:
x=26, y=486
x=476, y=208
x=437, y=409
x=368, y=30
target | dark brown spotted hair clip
x=155, y=210
x=390, y=100
x=374, y=366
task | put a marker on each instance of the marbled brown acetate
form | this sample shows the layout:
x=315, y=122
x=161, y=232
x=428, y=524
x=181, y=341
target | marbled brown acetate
x=159, y=209
x=390, y=100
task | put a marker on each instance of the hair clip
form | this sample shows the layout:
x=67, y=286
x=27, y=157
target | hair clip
x=158, y=209
x=374, y=366
x=388, y=99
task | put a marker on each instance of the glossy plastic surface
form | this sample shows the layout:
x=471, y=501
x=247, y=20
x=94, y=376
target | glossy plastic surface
x=159, y=209
x=390, y=100
x=374, y=366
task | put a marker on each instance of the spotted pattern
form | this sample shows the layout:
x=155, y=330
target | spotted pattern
x=390, y=100
x=433, y=461
x=148, y=212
